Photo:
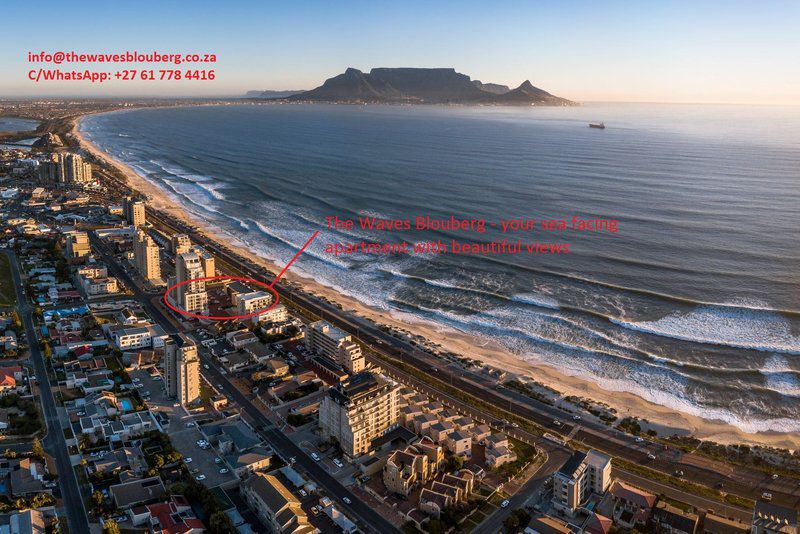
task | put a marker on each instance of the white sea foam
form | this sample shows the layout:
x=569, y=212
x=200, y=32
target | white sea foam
x=734, y=327
x=544, y=301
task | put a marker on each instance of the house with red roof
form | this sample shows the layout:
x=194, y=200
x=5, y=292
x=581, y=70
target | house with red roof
x=172, y=517
x=9, y=377
x=633, y=505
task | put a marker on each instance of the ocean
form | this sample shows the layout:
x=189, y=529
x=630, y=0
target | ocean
x=693, y=304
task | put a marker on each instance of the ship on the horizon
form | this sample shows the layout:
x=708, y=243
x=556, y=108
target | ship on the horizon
x=599, y=125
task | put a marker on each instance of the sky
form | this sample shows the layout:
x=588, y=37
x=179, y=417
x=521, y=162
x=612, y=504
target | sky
x=592, y=50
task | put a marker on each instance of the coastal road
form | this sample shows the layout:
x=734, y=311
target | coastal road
x=369, y=518
x=54, y=441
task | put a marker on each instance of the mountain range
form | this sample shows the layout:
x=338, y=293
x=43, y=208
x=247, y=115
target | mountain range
x=422, y=86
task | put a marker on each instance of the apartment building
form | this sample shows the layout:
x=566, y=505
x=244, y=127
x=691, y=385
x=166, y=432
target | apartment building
x=582, y=475
x=66, y=168
x=326, y=339
x=358, y=410
x=78, y=244
x=191, y=297
x=182, y=371
x=275, y=505
x=147, y=257
x=133, y=211
x=180, y=244
x=253, y=301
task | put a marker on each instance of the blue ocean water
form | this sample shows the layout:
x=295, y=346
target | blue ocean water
x=693, y=304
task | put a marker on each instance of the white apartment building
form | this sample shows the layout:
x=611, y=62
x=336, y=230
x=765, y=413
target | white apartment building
x=191, y=297
x=182, y=371
x=358, y=410
x=582, y=475
x=324, y=338
x=252, y=302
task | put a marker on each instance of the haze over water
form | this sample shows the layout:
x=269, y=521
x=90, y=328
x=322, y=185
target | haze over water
x=694, y=304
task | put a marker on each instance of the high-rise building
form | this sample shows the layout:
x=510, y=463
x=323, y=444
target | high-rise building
x=206, y=259
x=358, y=410
x=192, y=297
x=133, y=211
x=326, y=339
x=78, y=245
x=146, y=254
x=181, y=243
x=182, y=371
x=66, y=168
x=582, y=475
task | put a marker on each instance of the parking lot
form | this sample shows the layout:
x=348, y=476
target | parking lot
x=183, y=432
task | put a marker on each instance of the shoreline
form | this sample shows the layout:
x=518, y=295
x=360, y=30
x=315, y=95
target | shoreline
x=667, y=420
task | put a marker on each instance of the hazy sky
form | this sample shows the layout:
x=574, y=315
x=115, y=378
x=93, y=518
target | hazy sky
x=666, y=51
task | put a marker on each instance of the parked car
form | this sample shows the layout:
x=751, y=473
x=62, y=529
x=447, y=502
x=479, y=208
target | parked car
x=347, y=500
x=767, y=496
x=200, y=477
x=338, y=463
x=223, y=471
x=315, y=456
x=504, y=504
x=187, y=460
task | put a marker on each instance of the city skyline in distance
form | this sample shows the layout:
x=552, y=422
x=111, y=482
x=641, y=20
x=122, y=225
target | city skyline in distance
x=717, y=52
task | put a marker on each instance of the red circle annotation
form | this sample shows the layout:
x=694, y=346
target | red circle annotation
x=266, y=286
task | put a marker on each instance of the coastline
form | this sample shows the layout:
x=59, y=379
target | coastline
x=462, y=343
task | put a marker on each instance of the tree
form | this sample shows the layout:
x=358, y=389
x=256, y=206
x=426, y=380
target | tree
x=98, y=500
x=16, y=319
x=110, y=527
x=220, y=523
x=519, y=518
x=37, y=449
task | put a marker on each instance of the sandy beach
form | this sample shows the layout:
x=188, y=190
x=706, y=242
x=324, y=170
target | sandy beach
x=626, y=403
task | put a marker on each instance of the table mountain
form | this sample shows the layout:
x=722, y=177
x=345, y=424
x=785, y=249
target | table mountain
x=422, y=86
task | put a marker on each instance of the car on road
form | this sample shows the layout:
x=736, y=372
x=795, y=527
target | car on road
x=678, y=473
x=187, y=460
x=302, y=493
x=767, y=496
x=315, y=456
x=775, y=476
x=190, y=424
x=576, y=417
x=338, y=463
x=223, y=471
x=504, y=504
x=200, y=477
x=347, y=500
x=556, y=422
x=651, y=456
x=206, y=367
x=217, y=461
x=640, y=440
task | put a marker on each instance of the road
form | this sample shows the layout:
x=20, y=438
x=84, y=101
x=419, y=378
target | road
x=54, y=441
x=369, y=518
